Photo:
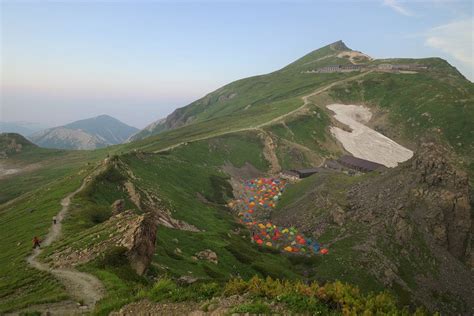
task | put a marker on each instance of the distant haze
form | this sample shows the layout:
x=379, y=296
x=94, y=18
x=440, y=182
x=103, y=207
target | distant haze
x=137, y=61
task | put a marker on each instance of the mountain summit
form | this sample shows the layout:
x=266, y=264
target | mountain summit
x=96, y=132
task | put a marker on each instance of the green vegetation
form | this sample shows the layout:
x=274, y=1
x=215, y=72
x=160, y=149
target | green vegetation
x=330, y=298
x=261, y=295
x=167, y=290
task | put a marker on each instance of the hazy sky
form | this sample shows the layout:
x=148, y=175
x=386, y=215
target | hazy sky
x=137, y=61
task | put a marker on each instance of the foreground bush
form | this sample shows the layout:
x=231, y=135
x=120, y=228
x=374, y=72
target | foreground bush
x=314, y=298
x=332, y=298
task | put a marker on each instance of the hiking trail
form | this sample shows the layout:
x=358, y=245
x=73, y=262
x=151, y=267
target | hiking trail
x=84, y=288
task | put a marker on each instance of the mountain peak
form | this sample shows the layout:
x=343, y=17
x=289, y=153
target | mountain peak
x=339, y=45
x=95, y=132
x=105, y=116
x=326, y=55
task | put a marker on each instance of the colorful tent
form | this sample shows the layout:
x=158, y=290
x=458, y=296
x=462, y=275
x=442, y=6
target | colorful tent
x=263, y=194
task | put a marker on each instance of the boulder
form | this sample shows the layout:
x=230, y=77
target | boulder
x=208, y=255
x=186, y=280
x=143, y=247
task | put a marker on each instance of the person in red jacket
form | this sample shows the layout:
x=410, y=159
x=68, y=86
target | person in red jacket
x=36, y=242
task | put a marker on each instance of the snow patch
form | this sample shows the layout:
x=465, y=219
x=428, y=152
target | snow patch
x=364, y=142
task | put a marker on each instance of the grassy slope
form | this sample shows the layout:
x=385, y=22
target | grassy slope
x=21, y=285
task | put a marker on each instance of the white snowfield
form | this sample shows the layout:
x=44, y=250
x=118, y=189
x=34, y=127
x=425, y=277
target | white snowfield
x=363, y=142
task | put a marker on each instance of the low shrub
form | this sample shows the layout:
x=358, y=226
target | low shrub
x=332, y=298
x=312, y=297
x=301, y=304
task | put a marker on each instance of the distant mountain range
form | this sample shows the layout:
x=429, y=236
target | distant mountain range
x=23, y=128
x=92, y=133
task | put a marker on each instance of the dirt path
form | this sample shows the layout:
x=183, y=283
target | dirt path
x=82, y=287
x=306, y=102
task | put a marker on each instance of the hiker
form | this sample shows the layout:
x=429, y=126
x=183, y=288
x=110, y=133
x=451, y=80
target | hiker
x=54, y=220
x=36, y=242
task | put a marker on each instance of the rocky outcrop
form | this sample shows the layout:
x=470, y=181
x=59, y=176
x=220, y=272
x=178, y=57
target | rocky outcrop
x=142, y=246
x=429, y=191
x=423, y=206
x=135, y=233
x=445, y=192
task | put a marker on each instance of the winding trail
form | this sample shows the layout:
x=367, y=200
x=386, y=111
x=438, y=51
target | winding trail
x=306, y=102
x=84, y=288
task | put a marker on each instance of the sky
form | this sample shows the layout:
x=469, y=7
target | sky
x=139, y=60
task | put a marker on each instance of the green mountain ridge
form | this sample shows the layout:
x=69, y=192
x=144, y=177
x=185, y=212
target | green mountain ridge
x=240, y=96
